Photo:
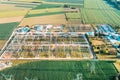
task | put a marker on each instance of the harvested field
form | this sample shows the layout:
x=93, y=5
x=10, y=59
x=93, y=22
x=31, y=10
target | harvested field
x=11, y=19
x=101, y=56
x=97, y=42
x=2, y=42
x=117, y=65
x=12, y=13
x=52, y=19
x=9, y=7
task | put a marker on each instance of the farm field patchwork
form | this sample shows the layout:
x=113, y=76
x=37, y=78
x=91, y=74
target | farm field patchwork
x=99, y=13
x=62, y=70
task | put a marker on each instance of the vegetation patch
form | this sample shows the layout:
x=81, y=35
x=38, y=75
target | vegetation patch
x=73, y=15
x=18, y=3
x=62, y=70
x=47, y=19
x=27, y=0
x=6, y=30
x=99, y=13
x=12, y=13
x=66, y=1
x=44, y=6
x=47, y=10
x=42, y=12
x=21, y=4
x=25, y=6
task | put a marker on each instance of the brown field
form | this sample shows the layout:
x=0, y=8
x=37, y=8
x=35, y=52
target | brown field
x=11, y=19
x=2, y=43
x=97, y=42
x=9, y=7
x=51, y=19
x=100, y=56
x=117, y=65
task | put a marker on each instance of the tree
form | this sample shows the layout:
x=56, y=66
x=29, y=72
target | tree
x=66, y=6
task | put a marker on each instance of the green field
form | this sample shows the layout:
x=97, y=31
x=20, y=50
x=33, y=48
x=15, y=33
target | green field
x=6, y=29
x=61, y=70
x=18, y=3
x=47, y=10
x=99, y=13
x=73, y=15
x=66, y=1
x=43, y=12
x=27, y=0
x=44, y=6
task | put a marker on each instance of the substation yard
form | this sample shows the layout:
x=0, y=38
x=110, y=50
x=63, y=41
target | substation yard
x=48, y=41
